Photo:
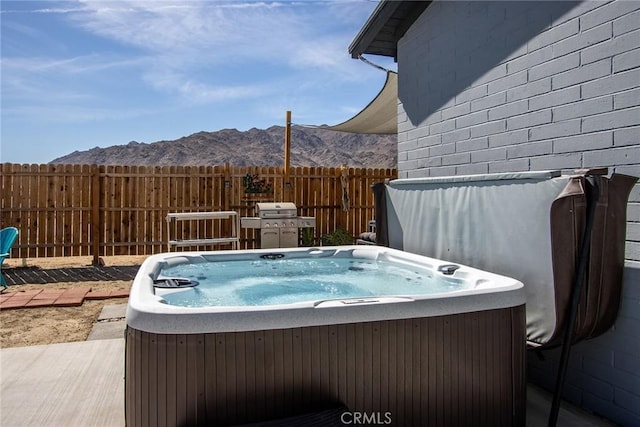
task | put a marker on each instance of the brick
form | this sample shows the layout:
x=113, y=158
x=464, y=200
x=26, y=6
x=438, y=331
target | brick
x=414, y=173
x=607, y=13
x=626, y=136
x=120, y=293
x=516, y=165
x=429, y=162
x=612, y=120
x=456, y=159
x=529, y=90
x=472, y=144
x=620, y=416
x=529, y=120
x=26, y=294
x=494, y=73
x=530, y=60
x=615, y=156
x=586, y=142
x=418, y=133
x=632, y=252
x=509, y=110
x=97, y=295
x=417, y=154
x=626, y=61
x=472, y=169
x=509, y=138
x=626, y=362
x=402, y=137
x=68, y=302
x=531, y=149
x=609, y=48
x=555, y=130
x=628, y=327
x=629, y=401
x=629, y=98
x=585, y=108
x=488, y=101
x=489, y=128
x=633, y=213
x=471, y=119
x=13, y=303
x=439, y=150
x=491, y=155
x=583, y=40
x=557, y=162
x=574, y=11
x=456, y=111
x=507, y=82
x=40, y=302
x=554, y=66
x=555, y=98
x=442, y=127
x=471, y=94
x=597, y=386
x=626, y=23
x=442, y=171
x=429, y=141
x=612, y=84
x=599, y=353
x=456, y=135
x=631, y=307
x=48, y=294
x=554, y=34
x=582, y=74
x=403, y=127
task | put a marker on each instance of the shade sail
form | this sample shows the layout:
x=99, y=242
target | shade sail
x=380, y=116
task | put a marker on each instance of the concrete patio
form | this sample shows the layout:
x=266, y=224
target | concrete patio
x=82, y=383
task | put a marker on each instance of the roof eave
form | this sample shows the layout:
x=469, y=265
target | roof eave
x=384, y=28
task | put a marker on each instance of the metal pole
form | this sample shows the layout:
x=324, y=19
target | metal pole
x=287, y=146
x=287, y=155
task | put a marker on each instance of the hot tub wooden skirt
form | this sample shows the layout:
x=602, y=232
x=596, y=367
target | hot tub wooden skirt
x=461, y=369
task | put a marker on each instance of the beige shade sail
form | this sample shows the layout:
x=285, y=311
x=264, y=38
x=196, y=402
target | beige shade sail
x=380, y=116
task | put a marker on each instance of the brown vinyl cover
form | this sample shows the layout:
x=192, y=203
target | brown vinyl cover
x=600, y=295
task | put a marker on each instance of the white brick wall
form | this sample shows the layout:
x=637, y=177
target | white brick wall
x=514, y=86
x=508, y=86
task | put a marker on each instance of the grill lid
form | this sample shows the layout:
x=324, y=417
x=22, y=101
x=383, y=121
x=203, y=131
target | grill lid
x=276, y=210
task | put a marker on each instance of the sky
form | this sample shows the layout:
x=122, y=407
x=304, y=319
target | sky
x=82, y=74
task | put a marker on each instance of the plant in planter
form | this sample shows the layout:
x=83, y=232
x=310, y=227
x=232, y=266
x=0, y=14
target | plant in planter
x=254, y=185
x=307, y=237
x=337, y=237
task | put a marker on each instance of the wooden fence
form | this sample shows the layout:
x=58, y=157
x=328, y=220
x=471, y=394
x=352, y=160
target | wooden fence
x=81, y=210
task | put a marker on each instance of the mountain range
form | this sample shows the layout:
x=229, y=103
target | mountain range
x=255, y=147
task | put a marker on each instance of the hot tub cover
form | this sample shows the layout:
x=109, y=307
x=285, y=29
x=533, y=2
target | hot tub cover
x=528, y=226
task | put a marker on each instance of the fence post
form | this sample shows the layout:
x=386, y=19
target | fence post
x=96, y=232
x=227, y=187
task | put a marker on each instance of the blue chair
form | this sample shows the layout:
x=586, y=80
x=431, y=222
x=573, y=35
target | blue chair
x=8, y=237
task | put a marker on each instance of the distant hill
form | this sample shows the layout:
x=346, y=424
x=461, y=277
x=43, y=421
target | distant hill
x=255, y=147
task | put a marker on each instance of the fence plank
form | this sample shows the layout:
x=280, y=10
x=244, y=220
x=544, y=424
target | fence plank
x=64, y=210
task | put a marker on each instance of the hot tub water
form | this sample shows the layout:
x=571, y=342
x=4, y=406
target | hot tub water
x=285, y=281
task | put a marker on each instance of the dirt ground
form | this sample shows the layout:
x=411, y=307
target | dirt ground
x=48, y=325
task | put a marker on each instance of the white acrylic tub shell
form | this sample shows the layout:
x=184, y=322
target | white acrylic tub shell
x=147, y=311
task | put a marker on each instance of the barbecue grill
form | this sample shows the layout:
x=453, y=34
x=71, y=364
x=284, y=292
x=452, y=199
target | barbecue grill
x=278, y=223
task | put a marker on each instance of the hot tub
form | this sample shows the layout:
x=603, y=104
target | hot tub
x=231, y=337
